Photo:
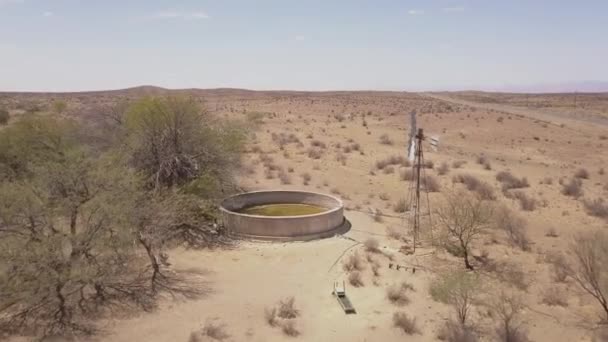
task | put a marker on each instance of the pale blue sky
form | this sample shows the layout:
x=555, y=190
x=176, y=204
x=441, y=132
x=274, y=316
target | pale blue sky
x=62, y=45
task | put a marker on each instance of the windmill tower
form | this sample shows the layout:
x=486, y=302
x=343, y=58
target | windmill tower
x=419, y=204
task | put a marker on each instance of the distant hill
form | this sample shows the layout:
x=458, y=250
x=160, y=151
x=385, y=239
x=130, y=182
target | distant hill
x=566, y=87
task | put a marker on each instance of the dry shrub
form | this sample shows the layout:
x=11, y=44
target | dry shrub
x=509, y=181
x=354, y=278
x=210, y=331
x=443, y=169
x=404, y=322
x=354, y=262
x=306, y=178
x=315, y=153
x=385, y=139
x=574, y=188
x=289, y=328
x=514, y=226
x=526, y=203
x=407, y=175
x=287, y=309
x=270, y=314
x=394, y=233
x=551, y=232
x=456, y=332
x=559, y=266
x=431, y=184
x=389, y=170
x=400, y=206
x=507, y=310
x=392, y=160
x=384, y=196
x=597, y=207
x=457, y=164
x=397, y=294
x=509, y=272
x=553, y=296
x=284, y=177
x=582, y=174
x=482, y=189
x=372, y=245
x=341, y=158
x=378, y=216
x=482, y=159
x=428, y=164
x=318, y=143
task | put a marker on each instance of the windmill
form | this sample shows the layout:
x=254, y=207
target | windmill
x=416, y=156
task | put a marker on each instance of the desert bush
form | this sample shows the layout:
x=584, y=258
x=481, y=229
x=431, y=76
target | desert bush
x=509, y=181
x=582, y=174
x=553, y=296
x=464, y=219
x=385, y=139
x=389, y=170
x=317, y=143
x=559, y=266
x=597, y=207
x=514, y=226
x=457, y=164
x=384, y=196
x=354, y=278
x=431, y=184
x=372, y=245
x=210, y=331
x=404, y=322
x=455, y=332
x=400, y=206
x=341, y=158
x=4, y=116
x=306, y=177
x=394, y=233
x=428, y=164
x=289, y=328
x=482, y=189
x=315, y=153
x=443, y=169
x=458, y=289
x=354, y=262
x=482, y=159
x=287, y=308
x=284, y=177
x=547, y=180
x=392, y=160
x=510, y=272
x=407, y=175
x=526, y=203
x=270, y=314
x=601, y=171
x=574, y=188
x=397, y=293
x=506, y=310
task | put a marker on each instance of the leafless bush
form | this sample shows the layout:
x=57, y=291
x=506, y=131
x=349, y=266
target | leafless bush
x=459, y=289
x=553, y=296
x=509, y=272
x=287, y=308
x=318, y=143
x=443, y=169
x=210, y=331
x=400, y=206
x=457, y=164
x=397, y=293
x=394, y=233
x=407, y=175
x=431, y=184
x=526, y=203
x=511, y=182
x=306, y=178
x=354, y=278
x=428, y=164
x=372, y=245
x=284, y=177
x=392, y=160
x=551, y=232
x=597, y=207
x=574, y=188
x=389, y=170
x=514, y=226
x=385, y=139
x=506, y=310
x=482, y=159
x=384, y=196
x=354, y=262
x=289, y=328
x=341, y=158
x=315, y=153
x=270, y=314
x=582, y=174
x=456, y=332
x=404, y=322
x=482, y=189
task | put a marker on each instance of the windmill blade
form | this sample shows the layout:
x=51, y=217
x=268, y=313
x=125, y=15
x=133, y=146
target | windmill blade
x=412, y=137
x=434, y=143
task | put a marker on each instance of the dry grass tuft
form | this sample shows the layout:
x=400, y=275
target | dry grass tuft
x=443, y=169
x=574, y=188
x=482, y=189
x=509, y=181
x=354, y=262
x=400, y=206
x=385, y=139
x=354, y=278
x=397, y=294
x=597, y=207
x=582, y=174
x=372, y=245
x=404, y=322
x=553, y=296
x=210, y=331
x=456, y=332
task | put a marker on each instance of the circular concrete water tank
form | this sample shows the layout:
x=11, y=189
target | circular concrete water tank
x=328, y=222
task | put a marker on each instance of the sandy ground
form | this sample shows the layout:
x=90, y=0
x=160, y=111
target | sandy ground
x=242, y=282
